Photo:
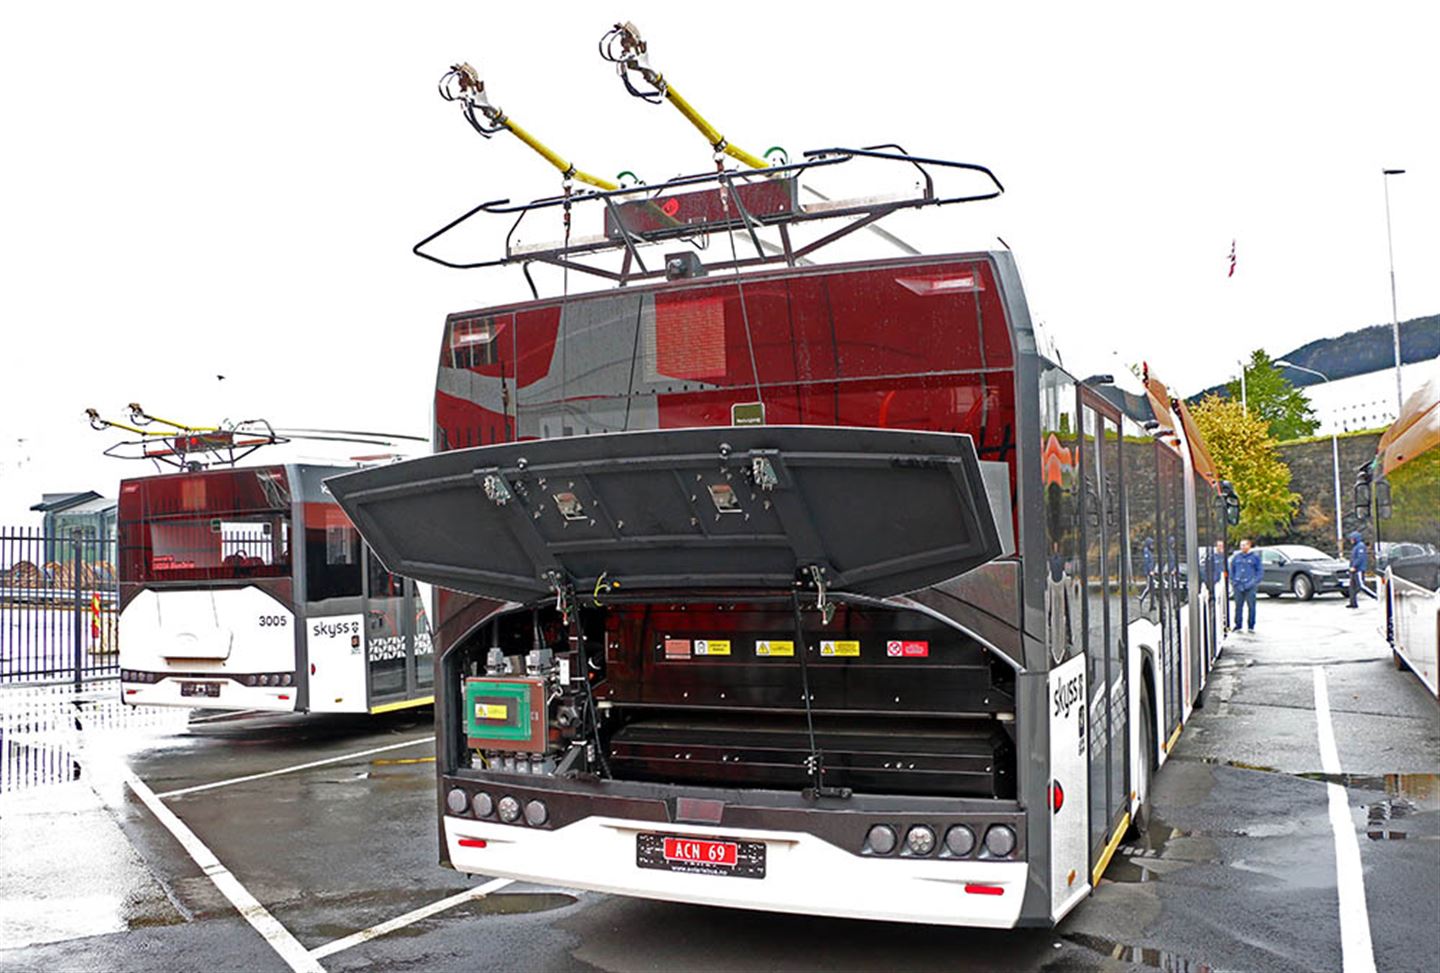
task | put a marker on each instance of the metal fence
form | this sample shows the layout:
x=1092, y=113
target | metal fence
x=59, y=599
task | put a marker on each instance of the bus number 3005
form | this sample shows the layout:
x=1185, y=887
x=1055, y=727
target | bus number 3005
x=270, y=621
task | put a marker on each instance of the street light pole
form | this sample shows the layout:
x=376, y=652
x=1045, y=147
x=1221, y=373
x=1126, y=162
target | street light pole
x=1394, y=308
x=1335, y=459
x=1244, y=406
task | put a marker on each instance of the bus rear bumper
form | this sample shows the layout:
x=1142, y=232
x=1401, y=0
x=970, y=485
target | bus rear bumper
x=168, y=692
x=802, y=873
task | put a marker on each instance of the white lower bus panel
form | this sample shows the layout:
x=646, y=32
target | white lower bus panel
x=802, y=873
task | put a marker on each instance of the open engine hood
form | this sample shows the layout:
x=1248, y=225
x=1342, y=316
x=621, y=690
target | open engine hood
x=872, y=511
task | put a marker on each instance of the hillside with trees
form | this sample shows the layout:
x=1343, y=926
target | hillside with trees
x=1356, y=353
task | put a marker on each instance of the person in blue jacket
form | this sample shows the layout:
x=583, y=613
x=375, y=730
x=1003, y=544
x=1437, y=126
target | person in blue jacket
x=1359, y=562
x=1245, y=572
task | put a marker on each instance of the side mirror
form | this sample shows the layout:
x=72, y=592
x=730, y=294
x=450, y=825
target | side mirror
x=1383, y=509
x=1362, y=498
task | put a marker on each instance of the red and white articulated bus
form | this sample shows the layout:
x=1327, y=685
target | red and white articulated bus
x=1400, y=488
x=805, y=588
x=248, y=588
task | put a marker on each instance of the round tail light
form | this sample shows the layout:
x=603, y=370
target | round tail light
x=483, y=805
x=456, y=801
x=881, y=839
x=960, y=841
x=509, y=809
x=536, y=813
x=1000, y=841
x=920, y=840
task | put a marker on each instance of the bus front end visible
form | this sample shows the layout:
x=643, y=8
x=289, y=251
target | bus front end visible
x=731, y=603
x=206, y=591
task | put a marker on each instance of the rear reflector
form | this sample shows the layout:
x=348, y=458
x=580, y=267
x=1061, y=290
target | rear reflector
x=1057, y=796
x=472, y=842
x=985, y=889
x=131, y=692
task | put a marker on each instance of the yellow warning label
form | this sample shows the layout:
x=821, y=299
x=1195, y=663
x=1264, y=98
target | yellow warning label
x=491, y=711
x=774, y=648
x=840, y=648
x=712, y=646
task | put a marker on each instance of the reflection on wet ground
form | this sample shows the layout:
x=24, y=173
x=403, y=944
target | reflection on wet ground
x=44, y=728
x=1155, y=959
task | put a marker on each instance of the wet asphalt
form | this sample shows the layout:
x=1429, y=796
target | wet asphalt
x=1237, y=872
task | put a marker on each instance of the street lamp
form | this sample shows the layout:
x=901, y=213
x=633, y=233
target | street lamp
x=1335, y=456
x=1394, y=309
x=1244, y=407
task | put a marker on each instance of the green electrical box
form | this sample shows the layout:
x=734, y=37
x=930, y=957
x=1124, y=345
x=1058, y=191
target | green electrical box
x=506, y=713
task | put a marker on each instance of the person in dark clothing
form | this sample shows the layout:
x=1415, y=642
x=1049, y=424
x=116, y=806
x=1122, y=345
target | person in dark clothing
x=1245, y=573
x=1359, y=562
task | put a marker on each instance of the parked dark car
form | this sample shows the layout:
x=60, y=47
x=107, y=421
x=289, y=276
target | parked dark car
x=1301, y=571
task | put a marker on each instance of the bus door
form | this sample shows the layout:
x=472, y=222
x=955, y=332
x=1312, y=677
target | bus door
x=389, y=630
x=1104, y=621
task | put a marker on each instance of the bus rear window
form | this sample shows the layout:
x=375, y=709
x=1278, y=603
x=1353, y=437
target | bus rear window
x=227, y=525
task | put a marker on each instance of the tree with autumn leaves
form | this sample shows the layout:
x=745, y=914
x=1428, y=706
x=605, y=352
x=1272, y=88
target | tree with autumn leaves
x=1243, y=448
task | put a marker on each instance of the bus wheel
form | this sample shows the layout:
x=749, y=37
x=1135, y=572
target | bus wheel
x=1140, y=820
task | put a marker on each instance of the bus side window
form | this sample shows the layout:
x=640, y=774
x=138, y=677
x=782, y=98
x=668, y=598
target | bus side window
x=383, y=584
x=332, y=560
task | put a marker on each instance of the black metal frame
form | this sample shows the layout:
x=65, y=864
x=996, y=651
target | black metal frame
x=633, y=268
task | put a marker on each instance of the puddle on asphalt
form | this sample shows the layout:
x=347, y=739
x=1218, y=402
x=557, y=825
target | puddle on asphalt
x=520, y=903
x=1162, y=850
x=1155, y=959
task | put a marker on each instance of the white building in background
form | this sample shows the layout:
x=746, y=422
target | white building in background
x=1365, y=401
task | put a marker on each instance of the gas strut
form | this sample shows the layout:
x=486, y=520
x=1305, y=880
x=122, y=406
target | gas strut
x=623, y=47
x=462, y=83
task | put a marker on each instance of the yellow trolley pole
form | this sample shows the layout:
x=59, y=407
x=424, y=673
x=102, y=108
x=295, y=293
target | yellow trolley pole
x=462, y=83
x=633, y=55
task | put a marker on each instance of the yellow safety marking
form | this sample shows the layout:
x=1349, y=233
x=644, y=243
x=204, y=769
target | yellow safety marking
x=774, y=648
x=388, y=762
x=403, y=704
x=712, y=646
x=491, y=711
x=1170, y=743
x=840, y=648
x=1109, y=851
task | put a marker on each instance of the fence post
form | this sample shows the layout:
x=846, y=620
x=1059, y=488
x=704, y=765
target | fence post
x=79, y=611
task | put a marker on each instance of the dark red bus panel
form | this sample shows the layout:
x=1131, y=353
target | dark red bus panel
x=880, y=512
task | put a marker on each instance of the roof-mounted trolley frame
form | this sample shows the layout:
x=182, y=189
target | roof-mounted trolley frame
x=689, y=207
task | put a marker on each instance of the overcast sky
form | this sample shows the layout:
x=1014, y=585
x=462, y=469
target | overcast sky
x=194, y=190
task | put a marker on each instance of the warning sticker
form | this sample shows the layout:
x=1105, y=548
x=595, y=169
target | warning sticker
x=491, y=711
x=840, y=648
x=897, y=649
x=712, y=646
x=771, y=647
x=677, y=648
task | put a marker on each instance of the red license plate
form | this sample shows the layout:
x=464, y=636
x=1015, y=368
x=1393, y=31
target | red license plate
x=700, y=856
x=694, y=851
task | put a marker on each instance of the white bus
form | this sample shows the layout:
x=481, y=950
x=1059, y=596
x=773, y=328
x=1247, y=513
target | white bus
x=1400, y=489
x=249, y=588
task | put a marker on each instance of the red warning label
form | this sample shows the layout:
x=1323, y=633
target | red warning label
x=677, y=648
x=907, y=650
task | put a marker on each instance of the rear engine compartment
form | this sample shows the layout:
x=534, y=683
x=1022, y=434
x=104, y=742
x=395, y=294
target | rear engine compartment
x=714, y=692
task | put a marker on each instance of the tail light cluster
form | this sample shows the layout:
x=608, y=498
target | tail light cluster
x=508, y=809
x=135, y=675
x=268, y=679
x=959, y=841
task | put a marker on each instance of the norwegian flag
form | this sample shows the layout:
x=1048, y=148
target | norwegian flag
x=1232, y=259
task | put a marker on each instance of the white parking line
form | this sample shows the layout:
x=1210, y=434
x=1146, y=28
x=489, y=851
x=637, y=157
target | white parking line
x=279, y=938
x=291, y=770
x=400, y=922
x=1356, y=950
